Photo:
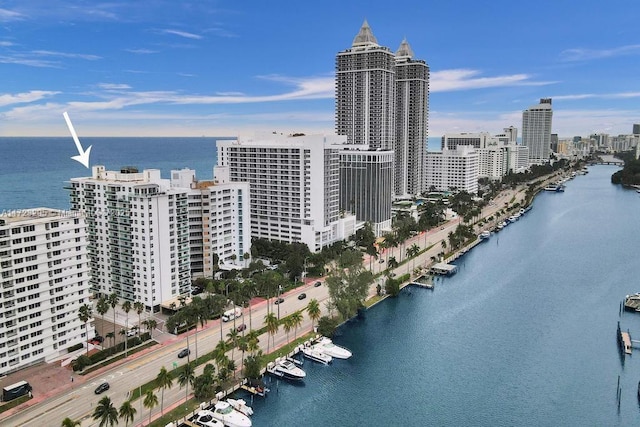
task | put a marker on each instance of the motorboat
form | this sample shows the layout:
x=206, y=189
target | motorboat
x=316, y=355
x=485, y=235
x=223, y=411
x=284, y=368
x=205, y=418
x=241, y=406
x=327, y=346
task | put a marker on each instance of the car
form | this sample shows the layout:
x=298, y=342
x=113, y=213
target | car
x=302, y=296
x=241, y=327
x=102, y=387
x=381, y=261
x=184, y=353
x=96, y=340
x=317, y=284
x=131, y=332
x=279, y=301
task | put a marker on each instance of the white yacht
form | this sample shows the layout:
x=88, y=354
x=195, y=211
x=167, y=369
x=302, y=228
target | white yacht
x=485, y=235
x=328, y=347
x=204, y=418
x=223, y=411
x=286, y=369
x=316, y=355
x=241, y=405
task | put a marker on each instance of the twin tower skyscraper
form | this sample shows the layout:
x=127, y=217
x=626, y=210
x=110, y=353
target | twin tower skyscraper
x=382, y=100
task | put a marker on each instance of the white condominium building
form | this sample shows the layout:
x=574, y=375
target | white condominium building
x=45, y=280
x=450, y=141
x=536, y=131
x=138, y=233
x=453, y=169
x=218, y=213
x=294, y=187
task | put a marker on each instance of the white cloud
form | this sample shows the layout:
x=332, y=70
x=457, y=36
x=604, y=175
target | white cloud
x=141, y=51
x=25, y=97
x=587, y=54
x=41, y=63
x=465, y=79
x=618, y=95
x=182, y=34
x=10, y=15
x=114, y=86
x=65, y=54
x=5, y=43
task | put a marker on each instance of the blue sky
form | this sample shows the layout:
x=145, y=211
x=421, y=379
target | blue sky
x=191, y=68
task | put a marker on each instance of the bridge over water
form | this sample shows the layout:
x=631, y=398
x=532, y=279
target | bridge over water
x=608, y=159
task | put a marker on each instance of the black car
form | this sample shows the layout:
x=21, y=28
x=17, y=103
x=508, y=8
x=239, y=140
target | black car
x=184, y=353
x=279, y=301
x=302, y=296
x=102, y=387
x=241, y=327
x=97, y=339
x=317, y=284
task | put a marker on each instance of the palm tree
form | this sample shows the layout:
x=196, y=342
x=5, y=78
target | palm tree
x=243, y=345
x=246, y=256
x=186, y=377
x=150, y=400
x=150, y=324
x=393, y=263
x=233, y=340
x=138, y=306
x=106, y=412
x=313, y=308
x=68, y=422
x=102, y=306
x=296, y=319
x=273, y=324
x=127, y=412
x=113, y=302
x=220, y=353
x=287, y=324
x=253, y=339
x=163, y=381
x=126, y=307
x=84, y=313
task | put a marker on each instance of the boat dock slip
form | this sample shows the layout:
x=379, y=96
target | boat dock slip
x=443, y=269
x=626, y=342
x=632, y=302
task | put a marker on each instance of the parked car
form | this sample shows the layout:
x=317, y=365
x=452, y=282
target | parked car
x=279, y=301
x=102, y=387
x=315, y=285
x=131, y=332
x=381, y=261
x=302, y=296
x=96, y=340
x=184, y=353
x=241, y=327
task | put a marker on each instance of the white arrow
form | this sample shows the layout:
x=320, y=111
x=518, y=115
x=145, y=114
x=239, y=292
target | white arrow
x=83, y=156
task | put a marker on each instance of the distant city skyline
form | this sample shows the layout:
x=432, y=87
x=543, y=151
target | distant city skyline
x=156, y=68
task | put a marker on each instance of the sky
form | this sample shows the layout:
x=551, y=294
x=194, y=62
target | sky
x=234, y=68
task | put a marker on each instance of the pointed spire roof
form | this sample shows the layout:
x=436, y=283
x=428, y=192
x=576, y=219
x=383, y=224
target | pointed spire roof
x=365, y=36
x=404, y=50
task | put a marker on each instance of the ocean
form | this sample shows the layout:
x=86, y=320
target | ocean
x=34, y=171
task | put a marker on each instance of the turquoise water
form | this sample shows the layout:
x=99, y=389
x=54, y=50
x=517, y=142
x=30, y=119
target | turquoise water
x=33, y=171
x=524, y=334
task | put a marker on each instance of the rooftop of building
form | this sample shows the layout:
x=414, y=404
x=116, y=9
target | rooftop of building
x=29, y=215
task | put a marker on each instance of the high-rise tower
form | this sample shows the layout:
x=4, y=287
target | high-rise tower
x=412, y=122
x=536, y=131
x=365, y=92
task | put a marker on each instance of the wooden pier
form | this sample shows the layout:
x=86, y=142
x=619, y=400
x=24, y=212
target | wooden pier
x=624, y=340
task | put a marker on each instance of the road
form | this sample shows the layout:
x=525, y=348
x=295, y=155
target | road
x=79, y=403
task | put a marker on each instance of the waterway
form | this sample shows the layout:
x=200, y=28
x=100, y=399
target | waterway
x=523, y=334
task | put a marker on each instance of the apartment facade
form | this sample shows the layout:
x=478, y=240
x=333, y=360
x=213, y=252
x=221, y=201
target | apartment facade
x=412, y=122
x=218, y=213
x=453, y=169
x=45, y=280
x=138, y=232
x=536, y=131
x=294, y=188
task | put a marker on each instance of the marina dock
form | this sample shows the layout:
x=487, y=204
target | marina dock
x=624, y=340
x=444, y=269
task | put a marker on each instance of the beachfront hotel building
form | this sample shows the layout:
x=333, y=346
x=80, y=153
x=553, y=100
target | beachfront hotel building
x=45, y=280
x=218, y=215
x=457, y=169
x=536, y=131
x=138, y=232
x=294, y=188
x=412, y=122
x=451, y=141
